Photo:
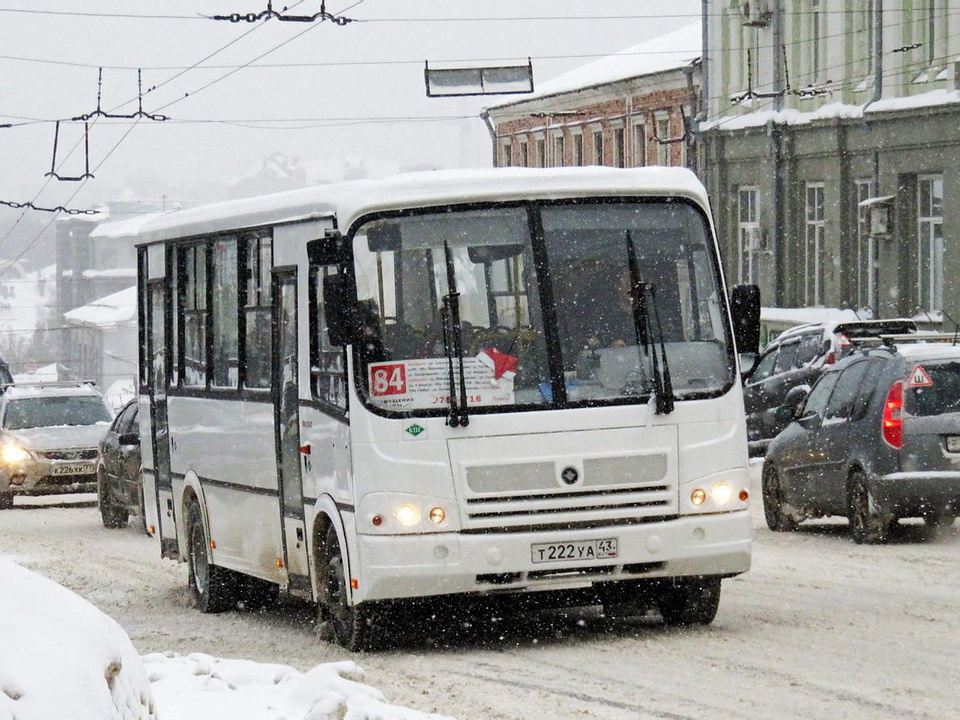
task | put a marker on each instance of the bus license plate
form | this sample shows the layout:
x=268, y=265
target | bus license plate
x=80, y=469
x=576, y=550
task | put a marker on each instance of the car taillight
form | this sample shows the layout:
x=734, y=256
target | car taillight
x=830, y=359
x=892, y=422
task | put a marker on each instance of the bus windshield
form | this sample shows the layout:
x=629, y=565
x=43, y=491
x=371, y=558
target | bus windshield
x=559, y=303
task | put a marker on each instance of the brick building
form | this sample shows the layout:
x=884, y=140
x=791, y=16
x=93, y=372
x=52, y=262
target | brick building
x=629, y=109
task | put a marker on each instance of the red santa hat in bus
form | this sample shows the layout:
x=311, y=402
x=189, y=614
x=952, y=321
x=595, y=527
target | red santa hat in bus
x=502, y=364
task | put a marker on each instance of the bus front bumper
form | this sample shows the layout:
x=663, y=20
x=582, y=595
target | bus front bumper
x=411, y=566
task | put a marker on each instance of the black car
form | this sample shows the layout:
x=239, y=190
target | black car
x=795, y=359
x=119, y=487
x=877, y=439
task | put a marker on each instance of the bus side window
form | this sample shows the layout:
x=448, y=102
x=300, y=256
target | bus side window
x=328, y=377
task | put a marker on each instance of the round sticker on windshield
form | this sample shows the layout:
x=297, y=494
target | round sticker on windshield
x=919, y=378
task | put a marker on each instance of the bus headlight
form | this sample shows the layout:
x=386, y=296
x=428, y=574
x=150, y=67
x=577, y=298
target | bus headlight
x=13, y=454
x=408, y=515
x=721, y=493
x=388, y=513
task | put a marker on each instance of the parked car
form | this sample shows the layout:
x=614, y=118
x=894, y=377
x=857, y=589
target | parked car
x=877, y=439
x=796, y=358
x=48, y=439
x=119, y=485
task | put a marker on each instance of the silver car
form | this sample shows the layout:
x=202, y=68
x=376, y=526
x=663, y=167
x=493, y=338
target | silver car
x=48, y=439
x=877, y=439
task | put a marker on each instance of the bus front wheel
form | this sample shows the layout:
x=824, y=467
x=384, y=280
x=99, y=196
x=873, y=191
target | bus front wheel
x=213, y=588
x=352, y=625
x=690, y=601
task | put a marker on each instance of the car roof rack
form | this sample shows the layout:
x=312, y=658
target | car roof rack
x=49, y=383
x=918, y=338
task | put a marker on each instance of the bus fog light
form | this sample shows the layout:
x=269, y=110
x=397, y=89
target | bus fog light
x=744, y=495
x=377, y=520
x=437, y=515
x=698, y=497
x=408, y=515
x=722, y=493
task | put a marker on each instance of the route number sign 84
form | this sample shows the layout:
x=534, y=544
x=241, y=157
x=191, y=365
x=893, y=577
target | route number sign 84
x=388, y=380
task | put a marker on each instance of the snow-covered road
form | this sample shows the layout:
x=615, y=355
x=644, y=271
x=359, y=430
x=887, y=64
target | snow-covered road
x=820, y=628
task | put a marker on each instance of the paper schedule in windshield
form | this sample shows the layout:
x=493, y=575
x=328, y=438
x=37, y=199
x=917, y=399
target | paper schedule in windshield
x=425, y=384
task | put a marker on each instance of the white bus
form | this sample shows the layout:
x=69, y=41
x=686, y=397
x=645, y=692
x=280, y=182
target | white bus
x=451, y=386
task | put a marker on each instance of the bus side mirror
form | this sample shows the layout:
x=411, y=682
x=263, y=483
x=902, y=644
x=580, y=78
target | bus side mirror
x=745, y=312
x=339, y=310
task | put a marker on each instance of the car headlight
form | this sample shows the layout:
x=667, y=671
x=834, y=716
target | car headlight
x=13, y=454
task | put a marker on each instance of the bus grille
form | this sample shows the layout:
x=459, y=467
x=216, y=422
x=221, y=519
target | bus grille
x=610, y=489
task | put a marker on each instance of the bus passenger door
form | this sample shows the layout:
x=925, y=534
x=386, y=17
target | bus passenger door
x=159, y=432
x=287, y=402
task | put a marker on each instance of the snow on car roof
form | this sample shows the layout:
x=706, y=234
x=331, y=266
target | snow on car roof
x=48, y=390
x=929, y=351
x=348, y=201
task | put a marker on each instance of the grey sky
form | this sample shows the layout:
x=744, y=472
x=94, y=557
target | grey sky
x=358, y=89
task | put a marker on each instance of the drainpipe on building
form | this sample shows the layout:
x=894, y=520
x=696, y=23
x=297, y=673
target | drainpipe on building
x=692, y=126
x=485, y=116
x=877, y=57
x=704, y=63
x=776, y=148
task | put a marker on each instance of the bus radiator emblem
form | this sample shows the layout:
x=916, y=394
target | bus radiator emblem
x=570, y=475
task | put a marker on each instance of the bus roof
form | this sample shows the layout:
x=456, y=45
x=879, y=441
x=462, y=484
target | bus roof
x=348, y=201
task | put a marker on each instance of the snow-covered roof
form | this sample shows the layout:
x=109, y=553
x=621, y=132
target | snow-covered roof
x=833, y=111
x=126, y=228
x=348, y=201
x=670, y=51
x=110, y=311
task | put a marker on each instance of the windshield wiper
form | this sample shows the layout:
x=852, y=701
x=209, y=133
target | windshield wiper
x=453, y=344
x=663, y=386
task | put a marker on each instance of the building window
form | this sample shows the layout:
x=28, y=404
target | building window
x=541, y=152
x=578, y=149
x=524, y=155
x=193, y=267
x=663, y=136
x=748, y=232
x=619, y=155
x=866, y=275
x=639, y=145
x=930, y=241
x=597, y=158
x=558, y=151
x=226, y=324
x=257, y=310
x=813, y=247
x=506, y=157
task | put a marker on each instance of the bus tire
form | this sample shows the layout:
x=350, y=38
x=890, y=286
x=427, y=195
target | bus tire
x=6, y=500
x=213, y=588
x=351, y=625
x=690, y=601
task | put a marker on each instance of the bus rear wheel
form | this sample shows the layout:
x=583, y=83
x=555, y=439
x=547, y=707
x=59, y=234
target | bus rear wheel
x=352, y=625
x=690, y=601
x=213, y=588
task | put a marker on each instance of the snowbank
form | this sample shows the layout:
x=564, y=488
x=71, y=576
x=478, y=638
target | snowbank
x=60, y=657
